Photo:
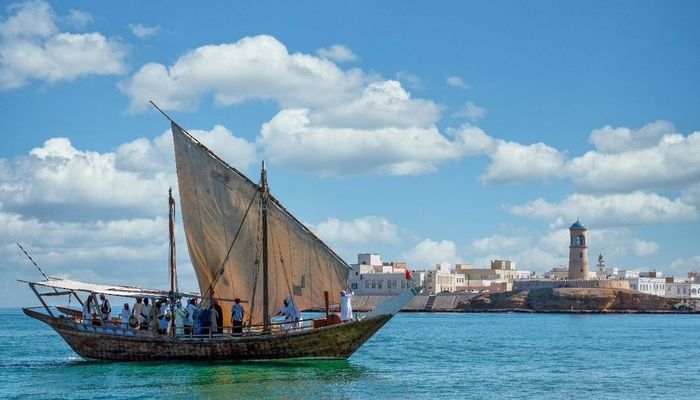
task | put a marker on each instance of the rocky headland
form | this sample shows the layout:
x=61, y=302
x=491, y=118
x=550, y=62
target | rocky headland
x=570, y=299
x=552, y=300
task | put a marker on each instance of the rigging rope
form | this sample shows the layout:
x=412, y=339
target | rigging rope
x=284, y=269
x=221, y=269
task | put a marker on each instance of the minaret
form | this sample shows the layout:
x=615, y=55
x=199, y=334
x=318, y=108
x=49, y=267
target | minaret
x=578, y=251
x=601, y=263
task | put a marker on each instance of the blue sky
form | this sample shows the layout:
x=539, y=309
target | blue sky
x=427, y=132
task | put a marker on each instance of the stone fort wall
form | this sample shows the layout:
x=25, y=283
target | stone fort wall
x=572, y=283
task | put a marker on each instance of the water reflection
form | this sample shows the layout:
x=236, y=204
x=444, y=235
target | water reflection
x=271, y=379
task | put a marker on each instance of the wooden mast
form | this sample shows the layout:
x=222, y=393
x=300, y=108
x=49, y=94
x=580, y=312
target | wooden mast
x=173, y=264
x=265, y=200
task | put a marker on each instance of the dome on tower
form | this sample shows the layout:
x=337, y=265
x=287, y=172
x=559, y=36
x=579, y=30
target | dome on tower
x=577, y=225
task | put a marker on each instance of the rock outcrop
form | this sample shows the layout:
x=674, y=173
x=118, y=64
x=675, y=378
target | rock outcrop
x=568, y=299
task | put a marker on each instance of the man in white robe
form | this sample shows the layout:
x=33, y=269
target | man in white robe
x=180, y=317
x=146, y=314
x=345, y=306
x=124, y=316
x=137, y=311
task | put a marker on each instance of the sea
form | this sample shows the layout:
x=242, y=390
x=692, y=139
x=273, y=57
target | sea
x=415, y=356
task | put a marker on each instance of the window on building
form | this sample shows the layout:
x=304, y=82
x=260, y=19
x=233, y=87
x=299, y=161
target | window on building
x=374, y=284
x=367, y=283
x=353, y=286
x=379, y=284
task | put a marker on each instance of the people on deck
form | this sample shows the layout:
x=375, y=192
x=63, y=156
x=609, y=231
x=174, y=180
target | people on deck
x=124, y=316
x=146, y=314
x=89, y=309
x=137, y=311
x=105, y=308
x=163, y=317
x=214, y=317
x=192, y=314
x=237, y=317
x=219, y=317
x=292, y=316
x=180, y=317
x=204, y=321
x=345, y=306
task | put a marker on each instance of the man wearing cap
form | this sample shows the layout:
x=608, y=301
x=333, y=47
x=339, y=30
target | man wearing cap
x=237, y=317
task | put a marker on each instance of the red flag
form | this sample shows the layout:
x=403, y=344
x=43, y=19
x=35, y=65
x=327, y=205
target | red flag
x=408, y=275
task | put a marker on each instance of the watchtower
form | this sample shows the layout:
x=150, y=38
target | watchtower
x=578, y=251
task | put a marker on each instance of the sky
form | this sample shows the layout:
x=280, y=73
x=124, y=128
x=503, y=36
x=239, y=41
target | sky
x=422, y=131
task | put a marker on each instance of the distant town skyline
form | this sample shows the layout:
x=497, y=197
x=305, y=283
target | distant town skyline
x=457, y=132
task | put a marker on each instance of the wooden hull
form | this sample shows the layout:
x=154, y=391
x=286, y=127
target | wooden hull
x=332, y=342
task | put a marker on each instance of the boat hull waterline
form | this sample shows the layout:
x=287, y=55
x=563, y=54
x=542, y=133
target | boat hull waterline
x=331, y=342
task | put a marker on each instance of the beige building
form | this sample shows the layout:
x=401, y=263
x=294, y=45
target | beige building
x=560, y=272
x=501, y=270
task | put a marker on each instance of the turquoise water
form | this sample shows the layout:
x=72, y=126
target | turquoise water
x=417, y=355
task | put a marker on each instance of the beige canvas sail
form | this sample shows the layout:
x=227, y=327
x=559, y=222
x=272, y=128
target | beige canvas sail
x=218, y=203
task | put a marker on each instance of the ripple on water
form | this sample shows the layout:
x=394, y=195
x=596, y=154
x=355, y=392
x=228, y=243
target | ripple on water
x=505, y=356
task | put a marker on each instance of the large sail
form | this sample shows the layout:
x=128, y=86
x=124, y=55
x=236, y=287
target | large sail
x=221, y=210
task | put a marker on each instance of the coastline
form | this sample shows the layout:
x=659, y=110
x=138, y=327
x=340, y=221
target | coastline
x=543, y=301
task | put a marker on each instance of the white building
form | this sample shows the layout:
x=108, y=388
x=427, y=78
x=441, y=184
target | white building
x=683, y=289
x=441, y=279
x=627, y=274
x=655, y=286
x=371, y=276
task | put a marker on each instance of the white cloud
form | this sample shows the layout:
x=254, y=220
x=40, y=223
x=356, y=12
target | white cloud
x=683, y=265
x=31, y=47
x=471, y=111
x=360, y=231
x=428, y=252
x=457, y=82
x=382, y=104
x=532, y=250
x=257, y=67
x=691, y=195
x=143, y=155
x=144, y=31
x=97, y=216
x=473, y=140
x=609, y=210
x=539, y=260
x=643, y=248
x=59, y=179
x=331, y=121
x=58, y=174
x=499, y=244
x=337, y=53
x=129, y=251
x=515, y=163
x=291, y=139
x=671, y=163
x=413, y=81
x=78, y=18
x=651, y=158
x=614, y=140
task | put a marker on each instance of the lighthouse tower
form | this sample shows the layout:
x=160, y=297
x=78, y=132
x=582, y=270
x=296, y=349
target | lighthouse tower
x=578, y=251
